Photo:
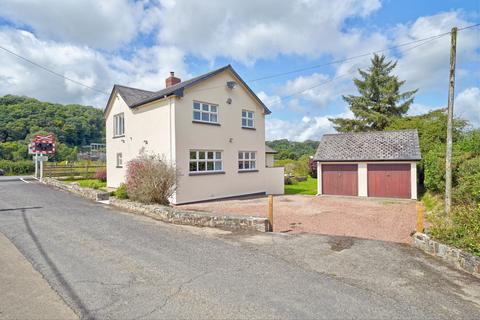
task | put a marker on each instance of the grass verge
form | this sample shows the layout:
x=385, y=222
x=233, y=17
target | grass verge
x=308, y=187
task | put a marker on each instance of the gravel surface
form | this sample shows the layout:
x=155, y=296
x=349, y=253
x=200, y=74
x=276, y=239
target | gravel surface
x=105, y=263
x=387, y=220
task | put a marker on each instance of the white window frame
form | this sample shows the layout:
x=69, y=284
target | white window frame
x=207, y=112
x=119, y=125
x=211, y=161
x=247, y=159
x=119, y=157
x=248, y=115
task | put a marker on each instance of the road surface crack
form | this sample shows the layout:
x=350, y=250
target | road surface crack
x=174, y=294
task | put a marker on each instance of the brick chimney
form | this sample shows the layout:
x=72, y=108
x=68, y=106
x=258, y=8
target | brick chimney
x=172, y=80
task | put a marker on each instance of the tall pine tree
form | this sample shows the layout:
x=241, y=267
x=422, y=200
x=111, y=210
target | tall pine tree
x=380, y=99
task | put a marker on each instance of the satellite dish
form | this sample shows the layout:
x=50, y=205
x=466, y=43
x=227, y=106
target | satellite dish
x=231, y=84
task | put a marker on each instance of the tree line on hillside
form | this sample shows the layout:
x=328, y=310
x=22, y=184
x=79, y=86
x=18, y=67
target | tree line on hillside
x=73, y=125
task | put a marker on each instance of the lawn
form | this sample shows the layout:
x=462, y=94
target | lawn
x=88, y=183
x=308, y=187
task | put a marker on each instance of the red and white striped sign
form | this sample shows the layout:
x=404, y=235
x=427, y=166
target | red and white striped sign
x=44, y=144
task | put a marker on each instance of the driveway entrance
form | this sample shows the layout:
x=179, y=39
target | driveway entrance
x=379, y=219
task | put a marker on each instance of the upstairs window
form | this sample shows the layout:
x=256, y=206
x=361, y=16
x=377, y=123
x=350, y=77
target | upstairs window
x=205, y=112
x=118, y=125
x=205, y=161
x=247, y=160
x=247, y=119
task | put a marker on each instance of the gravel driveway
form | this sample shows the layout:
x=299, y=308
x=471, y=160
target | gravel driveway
x=378, y=219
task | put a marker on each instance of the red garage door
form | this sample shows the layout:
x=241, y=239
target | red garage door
x=340, y=179
x=389, y=180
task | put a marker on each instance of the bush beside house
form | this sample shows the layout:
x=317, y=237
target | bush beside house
x=150, y=179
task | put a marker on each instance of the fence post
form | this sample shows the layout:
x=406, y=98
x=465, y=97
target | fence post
x=270, y=212
x=419, y=226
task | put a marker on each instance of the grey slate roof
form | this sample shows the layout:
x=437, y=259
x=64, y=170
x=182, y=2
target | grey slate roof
x=401, y=145
x=136, y=97
x=270, y=150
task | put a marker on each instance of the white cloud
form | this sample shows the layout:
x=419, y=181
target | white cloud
x=100, y=24
x=426, y=67
x=273, y=102
x=250, y=30
x=467, y=105
x=147, y=69
x=307, y=128
x=319, y=94
x=418, y=109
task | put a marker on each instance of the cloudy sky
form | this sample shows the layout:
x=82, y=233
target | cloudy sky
x=136, y=43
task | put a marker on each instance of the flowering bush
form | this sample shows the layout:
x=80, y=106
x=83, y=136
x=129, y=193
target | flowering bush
x=101, y=175
x=151, y=179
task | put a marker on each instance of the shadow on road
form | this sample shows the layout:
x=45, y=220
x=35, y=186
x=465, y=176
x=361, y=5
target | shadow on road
x=23, y=209
x=57, y=274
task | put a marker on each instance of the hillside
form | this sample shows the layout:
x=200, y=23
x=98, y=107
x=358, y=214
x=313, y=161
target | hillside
x=293, y=149
x=72, y=124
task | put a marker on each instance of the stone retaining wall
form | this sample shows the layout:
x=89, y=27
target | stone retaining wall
x=74, y=187
x=166, y=213
x=459, y=258
x=193, y=218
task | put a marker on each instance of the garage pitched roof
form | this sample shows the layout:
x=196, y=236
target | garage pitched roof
x=136, y=97
x=401, y=145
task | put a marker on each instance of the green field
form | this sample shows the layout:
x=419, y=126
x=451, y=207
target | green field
x=308, y=187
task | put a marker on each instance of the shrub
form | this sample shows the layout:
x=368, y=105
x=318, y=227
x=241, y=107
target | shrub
x=312, y=168
x=101, y=174
x=17, y=167
x=91, y=183
x=150, y=179
x=289, y=180
x=461, y=228
x=467, y=184
x=121, y=192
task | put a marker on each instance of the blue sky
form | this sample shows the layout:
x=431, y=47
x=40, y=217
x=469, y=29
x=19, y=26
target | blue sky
x=137, y=43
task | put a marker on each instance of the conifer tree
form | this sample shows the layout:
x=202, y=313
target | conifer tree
x=380, y=100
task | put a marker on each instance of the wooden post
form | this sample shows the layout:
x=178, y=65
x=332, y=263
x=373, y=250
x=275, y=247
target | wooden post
x=270, y=212
x=451, y=93
x=419, y=227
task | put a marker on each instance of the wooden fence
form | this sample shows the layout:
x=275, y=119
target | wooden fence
x=72, y=171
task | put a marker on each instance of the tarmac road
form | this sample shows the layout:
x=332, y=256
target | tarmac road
x=105, y=263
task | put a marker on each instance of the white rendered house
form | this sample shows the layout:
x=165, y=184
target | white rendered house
x=212, y=128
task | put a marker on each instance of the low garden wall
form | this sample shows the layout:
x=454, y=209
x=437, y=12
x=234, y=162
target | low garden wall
x=193, y=218
x=459, y=258
x=166, y=213
x=74, y=187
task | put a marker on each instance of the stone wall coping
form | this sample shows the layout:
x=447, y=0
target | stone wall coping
x=163, y=213
x=459, y=258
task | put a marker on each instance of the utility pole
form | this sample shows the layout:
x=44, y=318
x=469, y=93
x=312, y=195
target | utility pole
x=451, y=91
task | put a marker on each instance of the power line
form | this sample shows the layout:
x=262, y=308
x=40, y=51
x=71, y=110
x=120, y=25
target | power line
x=357, y=56
x=279, y=99
x=252, y=80
x=53, y=72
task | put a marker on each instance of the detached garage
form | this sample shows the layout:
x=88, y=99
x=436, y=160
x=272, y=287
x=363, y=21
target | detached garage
x=369, y=164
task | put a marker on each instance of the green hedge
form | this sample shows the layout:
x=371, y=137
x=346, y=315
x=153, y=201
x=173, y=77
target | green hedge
x=17, y=167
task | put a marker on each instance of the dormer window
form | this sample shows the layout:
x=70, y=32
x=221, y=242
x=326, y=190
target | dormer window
x=247, y=119
x=205, y=112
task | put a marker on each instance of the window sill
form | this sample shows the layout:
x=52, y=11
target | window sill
x=119, y=167
x=116, y=137
x=246, y=171
x=249, y=128
x=206, y=173
x=207, y=123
